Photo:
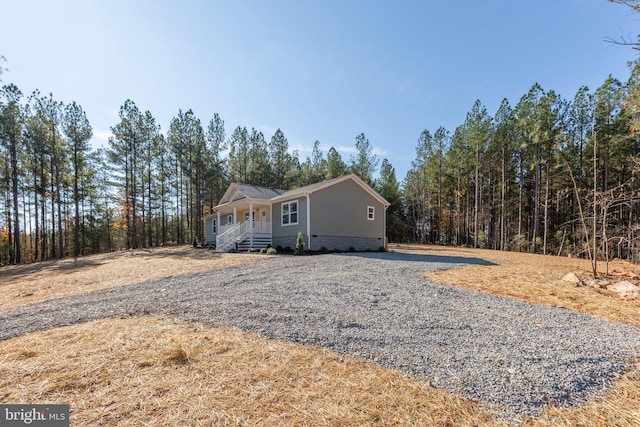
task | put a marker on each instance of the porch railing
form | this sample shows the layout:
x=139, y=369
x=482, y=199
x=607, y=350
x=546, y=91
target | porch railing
x=238, y=232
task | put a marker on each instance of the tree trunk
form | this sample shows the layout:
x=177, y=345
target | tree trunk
x=13, y=149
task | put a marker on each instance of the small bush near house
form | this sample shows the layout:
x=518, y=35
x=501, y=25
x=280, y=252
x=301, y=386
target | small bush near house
x=352, y=249
x=324, y=250
x=279, y=248
x=263, y=250
x=195, y=242
x=382, y=249
x=300, y=244
x=287, y=249
x=272, y=251
x=252, y=250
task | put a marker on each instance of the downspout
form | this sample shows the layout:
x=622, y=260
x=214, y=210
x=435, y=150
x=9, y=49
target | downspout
x=384, y=229
x=308, y=221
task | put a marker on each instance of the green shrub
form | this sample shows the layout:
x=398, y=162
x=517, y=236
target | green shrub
x=195, y=242
x=382, y=249
x=263, y=250
x=324, y=250
x=300, y=244
x=279, y=248
x=252, y=250
x=287, y=249
x=272, y=251
x=352, y=249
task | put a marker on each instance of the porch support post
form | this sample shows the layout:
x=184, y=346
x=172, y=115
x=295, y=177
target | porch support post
x=235, y=218
x=218, y=225
x=251, y=224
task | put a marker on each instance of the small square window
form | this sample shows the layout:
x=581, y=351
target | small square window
x=229, y=219
x=371, y=213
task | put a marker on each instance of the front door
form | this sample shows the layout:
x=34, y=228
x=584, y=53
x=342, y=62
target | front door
x=263, y=220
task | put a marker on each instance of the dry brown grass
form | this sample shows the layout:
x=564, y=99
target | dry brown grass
x=163, y=372
x=159, y=371
x=536, y=279
x=31, y=283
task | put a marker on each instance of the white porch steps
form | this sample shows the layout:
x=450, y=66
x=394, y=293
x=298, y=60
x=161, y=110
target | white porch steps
x=244, y=237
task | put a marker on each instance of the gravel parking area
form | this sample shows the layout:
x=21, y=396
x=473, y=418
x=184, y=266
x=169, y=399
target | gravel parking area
x=514, y=356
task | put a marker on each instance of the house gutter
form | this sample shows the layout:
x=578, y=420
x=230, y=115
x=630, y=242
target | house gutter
x=306, y=194
x=384, y=229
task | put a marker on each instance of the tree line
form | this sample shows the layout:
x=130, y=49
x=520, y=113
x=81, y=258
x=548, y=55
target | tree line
x=145, y=188
x=546, y=175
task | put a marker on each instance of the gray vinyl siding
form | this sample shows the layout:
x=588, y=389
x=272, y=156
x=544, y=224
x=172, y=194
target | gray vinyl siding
x=210, y=235
x=339, y=218
x=285, y=235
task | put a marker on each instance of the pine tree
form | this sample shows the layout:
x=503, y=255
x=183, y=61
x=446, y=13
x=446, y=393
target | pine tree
x=336, y=167
x=365, y=163
x=11, y=126
x=78, y=131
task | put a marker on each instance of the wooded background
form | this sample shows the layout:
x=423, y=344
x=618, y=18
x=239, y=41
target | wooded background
x=547, y=175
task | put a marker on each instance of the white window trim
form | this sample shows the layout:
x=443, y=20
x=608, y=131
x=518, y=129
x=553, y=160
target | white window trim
x=289, y=213
x=229, y=219
x=371, y=213
x=214, y=224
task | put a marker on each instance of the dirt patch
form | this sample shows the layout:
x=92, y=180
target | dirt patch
x=31, y=283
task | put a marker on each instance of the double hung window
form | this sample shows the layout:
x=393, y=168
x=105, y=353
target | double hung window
x=371, y=213
x=289, y=212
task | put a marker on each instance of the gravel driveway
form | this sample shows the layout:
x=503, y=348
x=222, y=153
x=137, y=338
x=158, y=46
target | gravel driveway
x=514, y=356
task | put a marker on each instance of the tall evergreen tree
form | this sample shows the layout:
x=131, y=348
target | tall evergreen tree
x=365, y=162
x=389, y=188
x=11, y=126
x=78, y=131
x=239, y=155
x=217, y=181
x=478, y=132
x=336, y=167
x=50, y=111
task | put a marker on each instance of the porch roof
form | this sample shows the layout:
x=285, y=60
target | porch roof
x=242, y=194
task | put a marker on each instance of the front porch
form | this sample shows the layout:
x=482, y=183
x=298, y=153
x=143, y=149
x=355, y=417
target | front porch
x=244, y=236
x=244, y=224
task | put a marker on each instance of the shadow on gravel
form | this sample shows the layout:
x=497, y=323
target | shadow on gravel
x=395, y=256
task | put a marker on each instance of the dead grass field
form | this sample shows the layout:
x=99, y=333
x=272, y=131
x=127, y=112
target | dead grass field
x=158, y=371
x=161, y=372
x=31, y=283
x=537, y=279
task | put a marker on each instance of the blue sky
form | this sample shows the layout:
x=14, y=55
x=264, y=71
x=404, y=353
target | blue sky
x=319, y=70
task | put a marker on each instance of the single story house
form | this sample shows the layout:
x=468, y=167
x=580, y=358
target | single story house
x=339, y=214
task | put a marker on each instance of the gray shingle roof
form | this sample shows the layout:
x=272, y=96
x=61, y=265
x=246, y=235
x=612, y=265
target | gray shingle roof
x=257, y=192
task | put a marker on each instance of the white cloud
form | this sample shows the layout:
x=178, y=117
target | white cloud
x=378, y=151
x=101, y=137
x=345, y=149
